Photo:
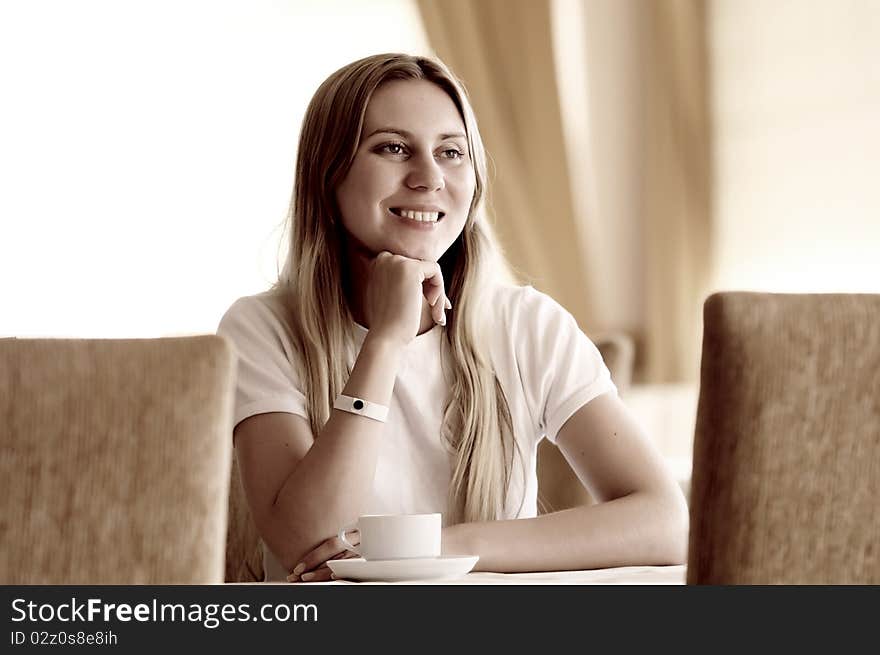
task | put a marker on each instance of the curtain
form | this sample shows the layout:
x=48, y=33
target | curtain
x=569, y=244
x=677, y=187
x=502, y=50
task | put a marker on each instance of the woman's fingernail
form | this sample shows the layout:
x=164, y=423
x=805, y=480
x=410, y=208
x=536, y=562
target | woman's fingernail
x=443, y=320
x=299, y=568
x=307, y=576
x=448, y=304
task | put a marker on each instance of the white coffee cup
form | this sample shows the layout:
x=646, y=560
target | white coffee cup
x=396, y=536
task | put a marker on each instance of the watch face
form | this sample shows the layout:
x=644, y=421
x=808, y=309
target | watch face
x=358, y=404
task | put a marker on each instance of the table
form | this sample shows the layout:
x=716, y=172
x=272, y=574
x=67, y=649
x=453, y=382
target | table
x=624, y=575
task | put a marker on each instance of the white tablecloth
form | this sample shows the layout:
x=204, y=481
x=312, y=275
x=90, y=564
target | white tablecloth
x=624, y=575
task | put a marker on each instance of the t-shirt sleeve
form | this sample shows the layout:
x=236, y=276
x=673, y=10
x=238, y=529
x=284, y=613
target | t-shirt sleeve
x=266, y=380
x=561, y=367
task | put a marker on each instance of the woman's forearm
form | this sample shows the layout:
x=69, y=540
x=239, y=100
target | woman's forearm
x=332, y=482
x=641, y=528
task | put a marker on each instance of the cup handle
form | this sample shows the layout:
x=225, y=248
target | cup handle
x=348, y=545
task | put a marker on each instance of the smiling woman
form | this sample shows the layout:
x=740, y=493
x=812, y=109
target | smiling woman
x=393, y=295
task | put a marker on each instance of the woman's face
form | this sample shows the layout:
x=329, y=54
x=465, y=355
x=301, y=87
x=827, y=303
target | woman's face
x=412, y=181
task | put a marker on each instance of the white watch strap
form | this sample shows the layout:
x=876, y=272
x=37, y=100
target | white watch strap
x=360, y=406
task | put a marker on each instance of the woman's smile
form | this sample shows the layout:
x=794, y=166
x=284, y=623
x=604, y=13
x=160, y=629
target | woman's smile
x=421, y=215
x=418, y=218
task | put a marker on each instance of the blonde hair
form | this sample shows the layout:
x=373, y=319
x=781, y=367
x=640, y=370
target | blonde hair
x=477, y=427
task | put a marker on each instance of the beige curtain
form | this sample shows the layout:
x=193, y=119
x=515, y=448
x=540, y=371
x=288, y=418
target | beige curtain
x=677, y=187
x=503, y=52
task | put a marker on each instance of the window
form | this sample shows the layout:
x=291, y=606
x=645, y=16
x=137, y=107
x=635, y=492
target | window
x=148, y=156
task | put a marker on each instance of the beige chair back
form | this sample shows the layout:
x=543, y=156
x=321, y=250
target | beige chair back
x=244, y=549
x=786, y=472
x=114, y=466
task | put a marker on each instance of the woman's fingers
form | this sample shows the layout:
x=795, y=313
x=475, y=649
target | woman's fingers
x=434, y=290
x=305, y=574
x=324, y=572
x=326, y=550
x=321, y=574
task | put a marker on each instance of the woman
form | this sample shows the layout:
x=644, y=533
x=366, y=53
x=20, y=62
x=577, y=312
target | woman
x=393, y=293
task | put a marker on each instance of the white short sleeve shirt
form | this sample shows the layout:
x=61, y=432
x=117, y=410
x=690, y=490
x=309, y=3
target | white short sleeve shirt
x=546, y=365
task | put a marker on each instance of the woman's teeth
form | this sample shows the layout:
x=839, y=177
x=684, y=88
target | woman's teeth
x=430, y=217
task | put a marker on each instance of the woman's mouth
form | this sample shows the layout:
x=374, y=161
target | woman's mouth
x=419, y=216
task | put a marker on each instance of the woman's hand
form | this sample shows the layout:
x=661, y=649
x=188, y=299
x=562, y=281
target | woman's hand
x=393, y=303
x=313, y=567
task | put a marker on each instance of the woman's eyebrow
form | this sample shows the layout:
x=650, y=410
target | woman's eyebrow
x=408, y=135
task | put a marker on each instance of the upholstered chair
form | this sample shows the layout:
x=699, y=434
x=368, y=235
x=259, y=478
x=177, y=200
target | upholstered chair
x=786, y=469
x=244, y=549
x=114, y=467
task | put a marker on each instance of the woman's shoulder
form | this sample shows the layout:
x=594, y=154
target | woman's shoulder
x=524, y=303
x=529, y=321
x=266, y=310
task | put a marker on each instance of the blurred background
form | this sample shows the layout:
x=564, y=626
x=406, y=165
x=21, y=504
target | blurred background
x=646, y=153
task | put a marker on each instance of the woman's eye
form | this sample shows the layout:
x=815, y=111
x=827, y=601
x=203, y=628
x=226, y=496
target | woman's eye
x=453, y=153
x=393, y=148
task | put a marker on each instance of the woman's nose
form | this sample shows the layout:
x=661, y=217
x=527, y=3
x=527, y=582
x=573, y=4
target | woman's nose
x=425, y=175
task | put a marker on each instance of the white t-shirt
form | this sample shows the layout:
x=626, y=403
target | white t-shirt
x=545, y=364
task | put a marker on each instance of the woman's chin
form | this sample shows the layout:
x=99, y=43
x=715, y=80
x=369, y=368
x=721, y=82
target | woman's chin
x=414, y=252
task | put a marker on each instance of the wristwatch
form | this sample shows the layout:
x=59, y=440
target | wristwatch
x=360, y=406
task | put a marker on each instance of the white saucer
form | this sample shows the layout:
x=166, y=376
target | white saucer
x=398, y=570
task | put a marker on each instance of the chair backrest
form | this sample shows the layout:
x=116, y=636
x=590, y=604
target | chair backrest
x=114, y=467
x=244, y=548
x=558, y=486
x=786, y=471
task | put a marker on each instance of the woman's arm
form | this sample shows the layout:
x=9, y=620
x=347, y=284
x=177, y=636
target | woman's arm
x=641, y=516
x=302, y=489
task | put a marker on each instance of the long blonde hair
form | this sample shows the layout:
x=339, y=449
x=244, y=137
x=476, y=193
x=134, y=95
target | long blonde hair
x=477, y=427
